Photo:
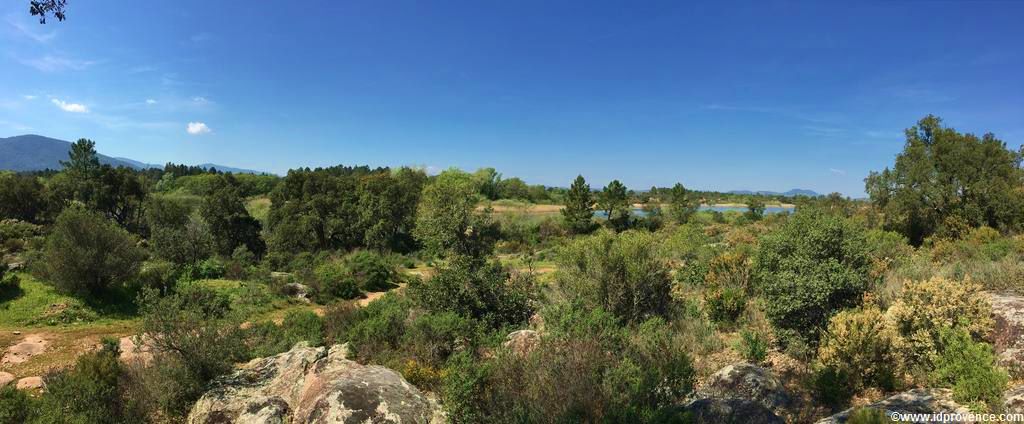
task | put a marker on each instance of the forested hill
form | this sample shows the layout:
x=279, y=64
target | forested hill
x=32, y=152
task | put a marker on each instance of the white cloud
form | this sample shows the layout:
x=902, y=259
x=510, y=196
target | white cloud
x=50, y=63
x=837, y=171
x=150, y=102
x=30, y=31
x=200, y=99
x=196, y=128
x=29, y=97
x=70, y=107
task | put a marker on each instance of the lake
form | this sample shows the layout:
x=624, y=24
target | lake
x=768, y=210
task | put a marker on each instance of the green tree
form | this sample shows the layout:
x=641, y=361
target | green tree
x=488, y=182
x=943, y=178
x=680, y=206
x=577, y=213
x=86, y=253
x=387, y=208
x=614, y=201
x=230, y=224
x=483, y=291
x=813, y=266
x=755, y=209
x=447, y=222
x=21, y=197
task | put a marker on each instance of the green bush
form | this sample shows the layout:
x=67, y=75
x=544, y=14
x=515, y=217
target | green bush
x=87, y=254
x=813, y=266
x=9, y=283
x=376, y=330
x=481, y=291
x=334, y=281
x=432, y=338
x=371, y=271
x=971, y=369
x=833, y=387
x=862, y=343
x=88, y=393
x=725, y=305
x=624, y=273
x=15, y=405
x=868, y=416
x=158, y=274
x=753, y=346
x=268, y=339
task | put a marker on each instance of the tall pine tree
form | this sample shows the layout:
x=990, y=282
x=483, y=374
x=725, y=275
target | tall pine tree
x=577, y=212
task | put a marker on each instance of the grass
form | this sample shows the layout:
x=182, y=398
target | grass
x=259, y=207
x=38, y=304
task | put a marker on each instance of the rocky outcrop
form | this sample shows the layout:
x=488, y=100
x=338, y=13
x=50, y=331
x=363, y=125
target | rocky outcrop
x=522, y=342
x=136, y=349
x=31, y=345
x=6, y=378
x=749, y=381
x=31, y=383
x=314, y=385
x=1008, y=334
x=298, y=291
x=729, y=411
x=1013, y=400
x=916, y=401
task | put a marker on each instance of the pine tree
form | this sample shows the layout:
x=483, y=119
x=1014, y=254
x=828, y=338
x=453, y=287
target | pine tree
x=680, y=206
x=577, y=212
x=614, y=201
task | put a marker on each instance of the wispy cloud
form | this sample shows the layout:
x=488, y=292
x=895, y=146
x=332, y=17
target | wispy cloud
x=923, y=95
x=51, y=63
x=787, y=112
x=200, y=100
x=32, y=32
x=70, y=107
x=201, y=37
x=150, y=101
x=837, y=171
x=141, y=69
x=820, y=131
x=197, y=128
x=29, y=97
x=15, y=126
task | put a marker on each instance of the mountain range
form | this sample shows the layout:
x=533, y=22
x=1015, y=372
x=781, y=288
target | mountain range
x=790, y=193
x=32, y=152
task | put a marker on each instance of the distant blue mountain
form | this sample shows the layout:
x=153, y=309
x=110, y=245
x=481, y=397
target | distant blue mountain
x=32, y=152
x=790, y=193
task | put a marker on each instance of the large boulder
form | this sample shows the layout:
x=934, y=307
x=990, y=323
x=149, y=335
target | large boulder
x=1013, y=400
x=730, y=411
x=916, y=401
x=751, y=382
x=522, y=342
x=1008, y=333
x=314, y=385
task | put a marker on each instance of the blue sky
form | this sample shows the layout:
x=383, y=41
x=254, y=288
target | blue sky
x=723, y=95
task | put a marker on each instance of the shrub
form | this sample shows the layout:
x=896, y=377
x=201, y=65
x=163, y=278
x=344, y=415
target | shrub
x=432, y=338
x=753, y=346
x=482, y=291
x=184, y=244
x=868, y=416
x=371, y=271
x=15, y=405
x=159, y=275
x=9, y=283
x=969, y=367
x=924, y=308
x=832, y=386
x=377, y=329
x=268, y=339
x=623, y=273
x=88, y=393
x=333, y=281
x=861, y=344
x=196, y=325
x=810, y=268
x=87, y=253
x=725, y=305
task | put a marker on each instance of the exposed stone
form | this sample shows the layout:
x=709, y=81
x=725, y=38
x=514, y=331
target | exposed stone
x=730, y=410
x=1013, y=400
x=31, y=345
x=916, y=401
x=31, y=383
x=297, y=290
x=749, y=381
x=522, y=342
x=1008, y=334
x=314, y=385
x=6, y=378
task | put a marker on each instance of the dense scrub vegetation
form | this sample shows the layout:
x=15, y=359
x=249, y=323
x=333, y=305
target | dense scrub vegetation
x=629, y=310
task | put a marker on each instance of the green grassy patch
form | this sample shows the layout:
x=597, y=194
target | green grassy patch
x=38, y=304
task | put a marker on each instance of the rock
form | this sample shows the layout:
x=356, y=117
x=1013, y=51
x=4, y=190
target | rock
x=313, y=385
x=136, y=349
x=749, y=381
x=31, y=383
x=297, y=290
x=1008, y=332
x=522, y=342
x=31, y=345
x=1013, y=400
x=17, y=333
x=6, y=378
x=916, y=401
x=537, y=322
x=730, y=410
